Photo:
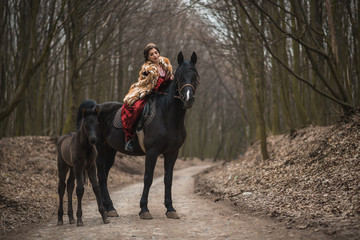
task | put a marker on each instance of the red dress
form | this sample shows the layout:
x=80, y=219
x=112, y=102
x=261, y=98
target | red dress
x=130, y=114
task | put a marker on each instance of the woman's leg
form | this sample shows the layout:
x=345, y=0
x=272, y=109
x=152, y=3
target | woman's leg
x=129, y=117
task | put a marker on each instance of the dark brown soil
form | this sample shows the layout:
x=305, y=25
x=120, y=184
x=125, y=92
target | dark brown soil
x=311, y=181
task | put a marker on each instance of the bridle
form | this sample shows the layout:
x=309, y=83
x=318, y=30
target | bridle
x=179, y=89
x=185, y=85
x=181, y=97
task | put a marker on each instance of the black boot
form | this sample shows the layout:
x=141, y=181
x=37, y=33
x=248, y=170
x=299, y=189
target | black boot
x=129, y=145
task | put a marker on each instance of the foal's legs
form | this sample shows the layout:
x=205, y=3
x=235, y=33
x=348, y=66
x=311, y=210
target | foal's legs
x=150, y=162
x=169, y=162
x=95, y=186
x=62, y=171
x=79, y=174
x=70, y=190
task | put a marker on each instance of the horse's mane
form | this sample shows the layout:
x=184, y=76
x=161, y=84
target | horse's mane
x=88, y=104
x=164, y=101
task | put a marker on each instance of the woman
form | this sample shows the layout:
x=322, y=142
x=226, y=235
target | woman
x=155, y=74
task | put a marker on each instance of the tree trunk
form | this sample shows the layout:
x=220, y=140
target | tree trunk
x=73, y=35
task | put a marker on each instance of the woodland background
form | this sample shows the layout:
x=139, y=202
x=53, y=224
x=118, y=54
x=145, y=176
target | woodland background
x=266, y=66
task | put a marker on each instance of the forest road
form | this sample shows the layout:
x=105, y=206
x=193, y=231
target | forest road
x=199, y=218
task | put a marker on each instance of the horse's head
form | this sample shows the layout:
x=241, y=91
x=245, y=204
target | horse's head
x=90, y=121
x=187, y=79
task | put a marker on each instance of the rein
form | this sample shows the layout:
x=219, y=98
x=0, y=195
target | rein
x=162, y=93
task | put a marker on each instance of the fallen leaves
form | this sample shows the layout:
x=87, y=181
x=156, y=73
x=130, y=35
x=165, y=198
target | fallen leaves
x=312, y=179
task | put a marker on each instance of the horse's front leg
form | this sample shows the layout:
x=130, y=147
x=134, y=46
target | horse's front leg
x=150, y=162
x=70, y=190
x=169, y=162
x=79, y=174
x=104, y=161
x=62, y=171
x=95, y=186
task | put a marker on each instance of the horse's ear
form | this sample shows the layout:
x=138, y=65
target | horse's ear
x=83, y=110
x=97, y=109
x=180, y=58
x=193, y=58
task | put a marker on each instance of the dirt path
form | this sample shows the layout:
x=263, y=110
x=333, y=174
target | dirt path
x=199, y=218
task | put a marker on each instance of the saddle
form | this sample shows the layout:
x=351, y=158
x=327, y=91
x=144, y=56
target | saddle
x=146, y=118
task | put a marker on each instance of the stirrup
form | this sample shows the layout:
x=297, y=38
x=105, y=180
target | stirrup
x=129, y=145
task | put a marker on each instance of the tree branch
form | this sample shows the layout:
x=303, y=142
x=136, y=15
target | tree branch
x=312, y=86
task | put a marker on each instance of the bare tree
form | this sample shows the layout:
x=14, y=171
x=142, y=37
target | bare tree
x=27, y=61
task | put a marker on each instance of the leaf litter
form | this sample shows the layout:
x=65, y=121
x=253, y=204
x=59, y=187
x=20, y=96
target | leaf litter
x=311, y=181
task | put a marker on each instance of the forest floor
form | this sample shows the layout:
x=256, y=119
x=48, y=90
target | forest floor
x=28, y=180
x=311, y=181
x=310, y=185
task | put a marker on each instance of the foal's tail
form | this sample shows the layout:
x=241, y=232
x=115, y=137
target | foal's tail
x=88, y=103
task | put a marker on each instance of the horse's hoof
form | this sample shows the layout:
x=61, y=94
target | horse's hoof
x=71, y=221
x=79, y=224
x=145, y=215
x=59, y=223
x=172, y=215
x=112, y=213
x=106, y=221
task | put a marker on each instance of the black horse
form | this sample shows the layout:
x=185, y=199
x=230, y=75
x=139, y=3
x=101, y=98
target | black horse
x=164, y=135
x=77, y=153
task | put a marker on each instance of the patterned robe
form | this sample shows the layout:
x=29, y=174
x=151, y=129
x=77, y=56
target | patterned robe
x=149, y=79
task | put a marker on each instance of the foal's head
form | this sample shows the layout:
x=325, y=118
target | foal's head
x=187, y=79
x=89, y=122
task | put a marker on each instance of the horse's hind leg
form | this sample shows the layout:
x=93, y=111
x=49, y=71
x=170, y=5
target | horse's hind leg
x=70, y=190
x=79, y=173
x=96, y=189
x=104, y=161
x=169, y=162
x=150, y=162
x=62, y=171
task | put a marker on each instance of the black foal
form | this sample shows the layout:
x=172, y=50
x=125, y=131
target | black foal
x=77, y=152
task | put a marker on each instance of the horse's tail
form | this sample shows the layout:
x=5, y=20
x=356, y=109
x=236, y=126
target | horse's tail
x=87, y=104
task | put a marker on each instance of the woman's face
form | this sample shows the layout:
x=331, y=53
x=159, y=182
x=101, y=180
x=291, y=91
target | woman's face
x=154, y=56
